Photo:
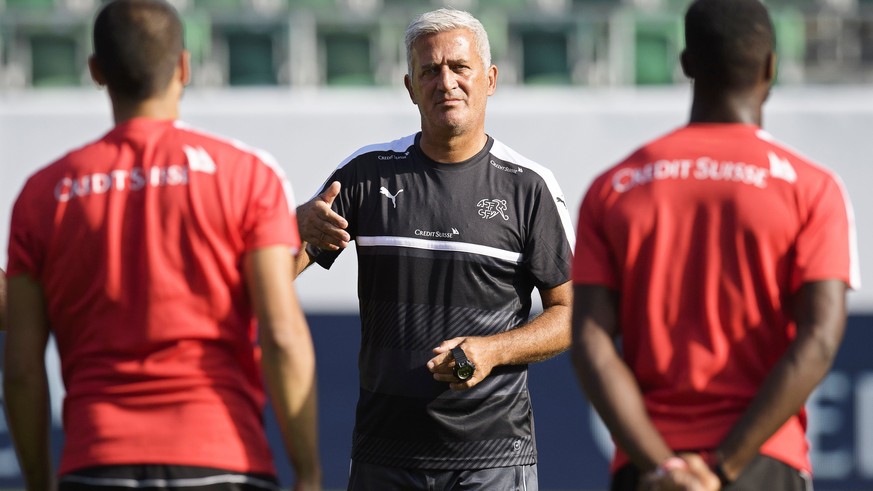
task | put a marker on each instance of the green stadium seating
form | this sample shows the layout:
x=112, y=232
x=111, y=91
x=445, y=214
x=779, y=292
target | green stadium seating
x=219, y=5
x=198, y=37
x=790, y=27
x=32, y=5
x=506, y=5
x=657, y=44
x=409, y=5
x=55, y=60
x=313, y=4
x=545, y=55
x=584, y=4
x=251, y=56
x=348, y=58
x=866, y=35
x=498, y=34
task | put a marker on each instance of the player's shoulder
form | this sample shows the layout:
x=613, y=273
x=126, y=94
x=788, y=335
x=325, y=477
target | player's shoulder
x=784, y=156
x=380, y=152
x=527, y=173
x=194, y=140
x=508, y=155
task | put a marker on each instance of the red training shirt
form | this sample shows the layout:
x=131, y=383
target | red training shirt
x=137, y=241
x=706, y=233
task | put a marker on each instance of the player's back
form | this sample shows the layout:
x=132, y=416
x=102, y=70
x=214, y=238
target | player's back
x=710, y=229
x=708, y=220
x=139, y=239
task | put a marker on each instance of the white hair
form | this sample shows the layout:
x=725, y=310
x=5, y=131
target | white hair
x=443, y=20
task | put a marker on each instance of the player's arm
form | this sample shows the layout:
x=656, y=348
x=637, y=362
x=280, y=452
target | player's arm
x=288, y=359
x=543, y=337
x=607, y=380
x=25, y=383
x=320, y=226
x=820, y=312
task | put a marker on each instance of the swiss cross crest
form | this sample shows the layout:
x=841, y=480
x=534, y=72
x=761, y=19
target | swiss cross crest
x=490, y=208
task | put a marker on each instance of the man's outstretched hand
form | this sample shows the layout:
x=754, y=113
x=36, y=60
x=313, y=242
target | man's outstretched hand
x=321, y=226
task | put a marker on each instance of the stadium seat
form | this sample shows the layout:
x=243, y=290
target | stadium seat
x=866, y=35
x=590, y=56
x=596, y=4
x=55, y=60
x=498, y=33
x=219, y=5
x=313, y=4
x=545, y=55
x=790, y=27
x=657, y=44
x=508, y=5
x=198, y=37
x=268, y=7
x=32, y=5
x=409, y=5
x=348, y=58
x=251, y=56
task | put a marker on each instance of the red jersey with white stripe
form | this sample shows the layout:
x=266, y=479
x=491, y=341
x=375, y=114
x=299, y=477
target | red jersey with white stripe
x=706, y=233
x=137, y=241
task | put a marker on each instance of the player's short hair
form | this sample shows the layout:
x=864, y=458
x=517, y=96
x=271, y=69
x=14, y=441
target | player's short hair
x=137, y=44
x=443, y=20
x=729, y=40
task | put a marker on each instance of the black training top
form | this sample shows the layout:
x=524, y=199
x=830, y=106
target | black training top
x=446, y=250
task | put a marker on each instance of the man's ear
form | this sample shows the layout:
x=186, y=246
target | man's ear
x=770, y=68
x=96, y=73
x=687, y=62
x=408, y=83
x=184, y=67
x=492, y=79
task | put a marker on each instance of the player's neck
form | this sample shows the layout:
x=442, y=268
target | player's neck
x=452, y=149
x=161, y=106
x=741, y=107
x=145, y=109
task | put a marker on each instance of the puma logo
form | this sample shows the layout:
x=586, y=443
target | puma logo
x=393, y=197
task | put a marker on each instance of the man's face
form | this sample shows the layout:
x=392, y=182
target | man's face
x=449, y=83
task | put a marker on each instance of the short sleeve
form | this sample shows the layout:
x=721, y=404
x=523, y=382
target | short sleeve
x=825, y=246
x=593, y=262
x=270, y=216
x=548, y=251
x=26, y=250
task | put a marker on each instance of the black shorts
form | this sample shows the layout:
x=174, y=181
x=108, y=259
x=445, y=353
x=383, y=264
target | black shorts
x=372, y=477
x=163, y=477
x=762, y=473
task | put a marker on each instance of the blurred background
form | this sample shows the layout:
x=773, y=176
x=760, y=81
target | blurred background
x=300, y=43
x=581, y=84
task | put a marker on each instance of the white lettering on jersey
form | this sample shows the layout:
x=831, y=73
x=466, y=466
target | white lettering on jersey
x=707, y=168
x=781, y=168
x=137, y=178
x=701, y=169
x=119, y=180
x=511, y=170
x=199, y=160
x=437, y=234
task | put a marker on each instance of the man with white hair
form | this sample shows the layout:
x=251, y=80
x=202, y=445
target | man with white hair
x=454, y=230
